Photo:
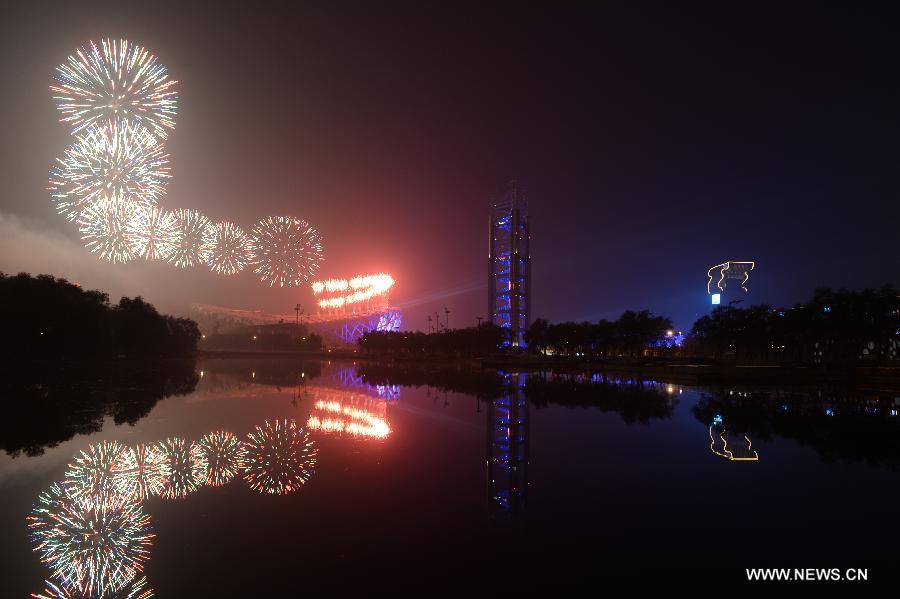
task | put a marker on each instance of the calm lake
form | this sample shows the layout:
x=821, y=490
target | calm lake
x=248, y=478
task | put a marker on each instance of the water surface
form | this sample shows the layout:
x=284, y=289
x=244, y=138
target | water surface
x=435, y=479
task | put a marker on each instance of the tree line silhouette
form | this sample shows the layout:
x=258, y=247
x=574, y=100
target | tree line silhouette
x=628, y=336
x=48, y=316
x=834, y=327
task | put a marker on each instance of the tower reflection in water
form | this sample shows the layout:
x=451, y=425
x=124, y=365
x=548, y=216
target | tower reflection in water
x=507, y=446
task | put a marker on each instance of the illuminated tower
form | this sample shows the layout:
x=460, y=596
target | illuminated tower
x=509, y=265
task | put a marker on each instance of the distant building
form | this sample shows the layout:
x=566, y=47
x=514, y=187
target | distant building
x=509, y=265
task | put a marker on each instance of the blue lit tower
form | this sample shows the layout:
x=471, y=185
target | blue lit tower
x=509, y=265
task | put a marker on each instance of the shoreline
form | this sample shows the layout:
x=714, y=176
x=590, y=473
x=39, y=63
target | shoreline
x=676, y=371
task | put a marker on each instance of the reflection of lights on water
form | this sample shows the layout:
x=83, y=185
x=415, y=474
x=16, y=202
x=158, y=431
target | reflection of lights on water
x=750, y=455
x=279, y=457
x=356, y=422
x=91, y=547
x=91, y=476
x=222, y=453
x=139, y=472
x=183, y=467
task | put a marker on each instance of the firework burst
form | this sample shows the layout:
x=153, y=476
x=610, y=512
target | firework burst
x=93, y=548
x=279, y=458
x=183, y=467
x=286, y=251
x=138, y=473
x=151, y=233
x=90, y=478
x=114, y=160
x=103, y=230
x=137, y=589
x=115, y=79
x=192, y=234
x=229, y=248
x=223, y=453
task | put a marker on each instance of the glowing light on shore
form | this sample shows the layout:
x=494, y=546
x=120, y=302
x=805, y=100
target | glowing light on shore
x=338, y=418
x=362, y=288
x=223, y=453
x=183, y=467
x=94, y=549
x=115, y=79
x=280, y=458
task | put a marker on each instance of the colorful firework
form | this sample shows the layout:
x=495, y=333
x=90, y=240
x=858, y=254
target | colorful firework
x=138, y=473
x=114, y=160
x=94, y=548
x=287, y=251
x=183, y=467
x=229, y=248
x=223, y=453
x=279, y=457
x=137, y=589
x=90, y=478
x=103, y=230
x=192, y=233
x=116, y=78
x=151, y=233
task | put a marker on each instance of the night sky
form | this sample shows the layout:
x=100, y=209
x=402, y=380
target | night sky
x=653, y=143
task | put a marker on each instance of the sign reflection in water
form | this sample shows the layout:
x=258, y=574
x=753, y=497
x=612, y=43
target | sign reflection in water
x=736, y=451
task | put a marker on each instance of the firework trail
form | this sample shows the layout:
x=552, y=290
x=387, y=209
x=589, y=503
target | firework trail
x=90, y=478
x=151, y=233
x=287, y=251
x=93, y=548
x=103, y=230
x=111, y=160
x=115, y=79
x=137, y=474
x=279, y=458
x=229, y=248
x=191, y=247
x=223, y=453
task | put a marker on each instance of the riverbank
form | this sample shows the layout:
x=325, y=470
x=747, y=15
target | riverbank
x=675, y=370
